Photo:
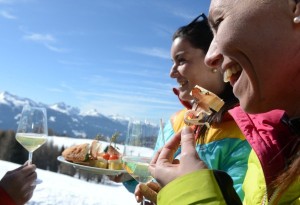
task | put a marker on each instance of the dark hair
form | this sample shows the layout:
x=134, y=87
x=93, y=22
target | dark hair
x=199, y=34
x=216, y=117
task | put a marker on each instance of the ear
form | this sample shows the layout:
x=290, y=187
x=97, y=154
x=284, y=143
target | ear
x=297, y=10
x=295, y=7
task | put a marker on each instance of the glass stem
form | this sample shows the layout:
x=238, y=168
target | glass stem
x=30, y=158
x=143, y=201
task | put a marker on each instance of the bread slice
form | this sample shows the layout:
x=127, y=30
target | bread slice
x=95, y=149
x=77, y=153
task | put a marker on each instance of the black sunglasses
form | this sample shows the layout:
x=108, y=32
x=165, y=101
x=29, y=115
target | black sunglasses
x=203, y=16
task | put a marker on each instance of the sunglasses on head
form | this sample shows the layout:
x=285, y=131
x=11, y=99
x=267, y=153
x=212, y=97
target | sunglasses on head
x=201, y=17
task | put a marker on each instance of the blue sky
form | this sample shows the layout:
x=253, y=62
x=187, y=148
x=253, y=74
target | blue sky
x=109, y=55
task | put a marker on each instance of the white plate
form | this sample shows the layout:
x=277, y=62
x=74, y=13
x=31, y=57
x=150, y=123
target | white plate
x=95, y=170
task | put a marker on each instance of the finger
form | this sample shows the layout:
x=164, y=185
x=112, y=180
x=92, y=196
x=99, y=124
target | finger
x=154, y=186
x=151, y=169
x=155, y=157
x=170, y=148
x=148, y=193
x=138, y=194
x=176, y=161
x=28, y=170
x=187, y=140
x=116, y=178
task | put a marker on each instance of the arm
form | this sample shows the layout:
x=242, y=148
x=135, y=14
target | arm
x=5, y=198
x=190, y=176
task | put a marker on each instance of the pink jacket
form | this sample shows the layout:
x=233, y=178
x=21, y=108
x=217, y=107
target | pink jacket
x=268, y=136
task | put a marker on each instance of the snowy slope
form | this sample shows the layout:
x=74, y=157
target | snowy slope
x=58, y=189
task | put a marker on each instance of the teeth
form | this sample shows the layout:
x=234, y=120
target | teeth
x=229, y=72
x=227, y=75
x=181, y=84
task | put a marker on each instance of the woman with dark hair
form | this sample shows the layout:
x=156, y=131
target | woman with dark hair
x=221, y=145
x=256, y=47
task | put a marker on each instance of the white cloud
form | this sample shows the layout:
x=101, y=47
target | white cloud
x=56, y=49
x=156, y=52
x=41, y=38
x=45, y=39
x=7, y=14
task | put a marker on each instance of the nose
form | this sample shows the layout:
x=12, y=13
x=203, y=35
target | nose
x=213, y=57
x=174, y=72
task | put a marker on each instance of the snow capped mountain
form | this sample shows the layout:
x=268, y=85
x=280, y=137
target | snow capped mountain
x=9, y=99
x=93, y=112
x=62, y=107
x=62, y=119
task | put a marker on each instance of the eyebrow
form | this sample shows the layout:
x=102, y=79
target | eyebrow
x=179, y=54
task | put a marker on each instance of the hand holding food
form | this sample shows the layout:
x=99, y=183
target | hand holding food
x=163, y=167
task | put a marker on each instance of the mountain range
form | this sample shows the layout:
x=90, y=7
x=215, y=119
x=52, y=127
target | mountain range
x=63, y=120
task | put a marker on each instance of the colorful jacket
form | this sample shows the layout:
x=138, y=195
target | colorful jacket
x=269, y=138
x=224, y=148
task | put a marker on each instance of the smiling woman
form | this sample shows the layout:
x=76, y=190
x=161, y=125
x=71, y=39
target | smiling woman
x=219, y=141
x=259, y=54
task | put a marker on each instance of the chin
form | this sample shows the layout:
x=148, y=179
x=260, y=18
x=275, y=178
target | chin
x=185, y=96
x=252, y=107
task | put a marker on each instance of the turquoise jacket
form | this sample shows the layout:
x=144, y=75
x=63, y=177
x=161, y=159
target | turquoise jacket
x=224, y=148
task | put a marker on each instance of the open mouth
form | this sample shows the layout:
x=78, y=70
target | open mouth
x=182, y=83
x=232, y=74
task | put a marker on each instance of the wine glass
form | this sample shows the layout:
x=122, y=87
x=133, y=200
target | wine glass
x=32, y=130
x=138, y=150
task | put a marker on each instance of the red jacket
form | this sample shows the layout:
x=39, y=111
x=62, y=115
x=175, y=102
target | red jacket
x=5, y=199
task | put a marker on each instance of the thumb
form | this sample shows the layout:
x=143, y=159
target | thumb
x=187, y=140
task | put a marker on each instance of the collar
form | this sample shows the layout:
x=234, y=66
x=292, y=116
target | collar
x=293, y=123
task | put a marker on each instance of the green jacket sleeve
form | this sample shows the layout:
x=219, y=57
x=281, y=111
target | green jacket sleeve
x=199, y=187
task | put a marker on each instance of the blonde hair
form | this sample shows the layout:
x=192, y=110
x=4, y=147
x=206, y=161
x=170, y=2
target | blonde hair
x=291, y=174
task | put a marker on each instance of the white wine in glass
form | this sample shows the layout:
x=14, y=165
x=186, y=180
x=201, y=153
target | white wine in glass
x=32, y=130
x=138, y=150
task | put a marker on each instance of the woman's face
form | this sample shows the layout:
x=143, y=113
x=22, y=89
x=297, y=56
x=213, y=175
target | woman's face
x=254, y=47
x=189, y=70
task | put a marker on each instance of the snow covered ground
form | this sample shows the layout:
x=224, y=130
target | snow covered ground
x=58, y=189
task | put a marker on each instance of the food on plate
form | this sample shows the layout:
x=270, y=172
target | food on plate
x=91, y=154
x=77, y=153
x=114, y=162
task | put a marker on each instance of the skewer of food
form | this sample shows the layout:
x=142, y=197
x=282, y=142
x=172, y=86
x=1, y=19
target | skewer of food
x=205, y=103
